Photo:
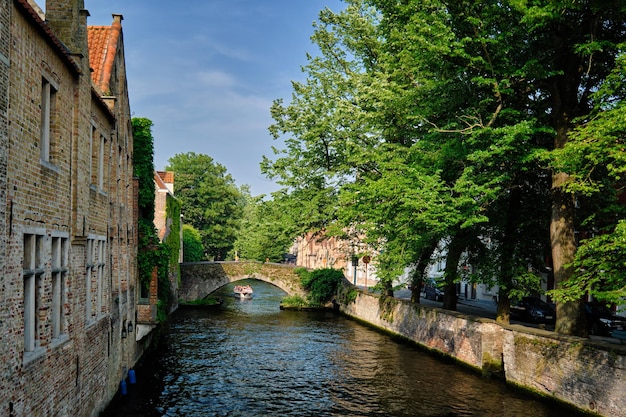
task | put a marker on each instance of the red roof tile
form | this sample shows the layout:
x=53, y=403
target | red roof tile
x=103, y=43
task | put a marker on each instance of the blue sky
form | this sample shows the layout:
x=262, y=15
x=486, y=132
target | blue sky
x=206, y=72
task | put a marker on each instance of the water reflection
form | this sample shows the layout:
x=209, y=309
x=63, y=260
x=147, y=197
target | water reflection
x=248, y=358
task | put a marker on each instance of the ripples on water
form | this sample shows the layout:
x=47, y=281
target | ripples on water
x=248, y=358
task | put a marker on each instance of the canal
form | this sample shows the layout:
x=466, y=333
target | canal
x=249, y=358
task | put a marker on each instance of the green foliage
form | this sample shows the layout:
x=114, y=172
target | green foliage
x=347, y=294
x=600, y=269
x=147, y=251
x=150, y=251
x=267, y=230
x=294, y=301
x=321, y=283
x=172, y=240
x=206, y=302
x=432, y=121
x=143, y=165
x=193, y=251
x=210, y=200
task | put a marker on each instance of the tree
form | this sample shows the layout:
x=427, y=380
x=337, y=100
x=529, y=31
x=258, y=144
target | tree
x=452, y=113
x=595, y=158
x=517, y=63
x=267, y=229
x=211, y=202
x=576, y=45
x=193, y=251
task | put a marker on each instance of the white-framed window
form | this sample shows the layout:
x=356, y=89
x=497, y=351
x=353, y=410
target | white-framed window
x=48, y=116
x=96, y=264
x=33, y=274
x=59, y=270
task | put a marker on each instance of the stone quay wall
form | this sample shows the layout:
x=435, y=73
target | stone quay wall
x=585, y=374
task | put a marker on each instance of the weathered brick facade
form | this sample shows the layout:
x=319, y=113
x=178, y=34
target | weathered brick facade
x=68, y=223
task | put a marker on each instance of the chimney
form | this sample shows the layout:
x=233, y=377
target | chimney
x=68, y=21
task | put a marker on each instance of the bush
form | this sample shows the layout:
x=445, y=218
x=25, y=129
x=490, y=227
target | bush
x=321, y=283
x=294, y=301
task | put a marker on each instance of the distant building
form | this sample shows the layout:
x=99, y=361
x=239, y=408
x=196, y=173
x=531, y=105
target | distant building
x=321, y=251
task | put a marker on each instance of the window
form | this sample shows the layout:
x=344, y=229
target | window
x=96, y=263
x=101, y=163
x=91, y=144
x=99, y=159
x=48, y=113
x=33, y=271
x=59, y=277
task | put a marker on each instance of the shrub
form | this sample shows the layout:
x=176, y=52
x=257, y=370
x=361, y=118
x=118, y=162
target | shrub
x=322, y=284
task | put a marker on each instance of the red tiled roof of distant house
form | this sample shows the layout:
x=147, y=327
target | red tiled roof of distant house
x=167, y=176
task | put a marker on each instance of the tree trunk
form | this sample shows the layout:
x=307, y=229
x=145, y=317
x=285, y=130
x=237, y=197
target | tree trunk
x=455, y=250
x=507, y=263
x=503, y=313
x=417, y=281
x=570, y=318
x=388, y=288
x=416, y=290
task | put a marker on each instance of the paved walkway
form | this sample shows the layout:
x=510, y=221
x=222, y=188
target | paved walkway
x=471, y=307
x=484, y=309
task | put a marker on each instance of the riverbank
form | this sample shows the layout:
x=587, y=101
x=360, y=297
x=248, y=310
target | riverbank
x=587, y=374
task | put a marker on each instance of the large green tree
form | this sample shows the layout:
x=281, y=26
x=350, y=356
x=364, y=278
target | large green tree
x=211, y=202
x=267, y=230
x=429, y=120
x=515, y=73
x=574, y=45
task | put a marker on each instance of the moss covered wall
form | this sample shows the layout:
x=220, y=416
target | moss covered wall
x=586, y=374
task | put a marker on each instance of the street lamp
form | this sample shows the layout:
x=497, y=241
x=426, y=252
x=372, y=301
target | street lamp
x=355, y=263
x=366, y=261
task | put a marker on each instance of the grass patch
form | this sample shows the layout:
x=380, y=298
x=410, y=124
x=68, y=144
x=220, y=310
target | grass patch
x=203, y=302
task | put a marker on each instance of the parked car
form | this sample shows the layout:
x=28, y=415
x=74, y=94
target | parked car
x=533, y=310
x=601, y=321
x=431, y=292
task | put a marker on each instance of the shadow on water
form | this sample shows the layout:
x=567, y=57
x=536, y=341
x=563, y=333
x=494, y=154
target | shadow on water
x=249, y=358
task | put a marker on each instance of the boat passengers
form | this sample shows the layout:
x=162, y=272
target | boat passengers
x=244, y=289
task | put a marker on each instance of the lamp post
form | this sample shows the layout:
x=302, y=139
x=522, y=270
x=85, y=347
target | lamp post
x=366, y=261
x=355, y=263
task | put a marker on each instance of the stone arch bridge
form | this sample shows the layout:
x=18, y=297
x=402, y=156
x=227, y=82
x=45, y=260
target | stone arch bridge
x=200, y=279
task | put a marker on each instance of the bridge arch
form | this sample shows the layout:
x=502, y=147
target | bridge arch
x=200, y=279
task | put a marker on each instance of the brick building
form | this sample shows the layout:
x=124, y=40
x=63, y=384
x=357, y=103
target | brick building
x=315, y=251
x=166, y=224
x=68, y=225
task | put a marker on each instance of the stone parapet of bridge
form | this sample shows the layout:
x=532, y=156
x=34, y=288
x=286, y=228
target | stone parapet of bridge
x=199, y=279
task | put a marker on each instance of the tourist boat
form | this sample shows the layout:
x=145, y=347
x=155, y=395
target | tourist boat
x=243, y=291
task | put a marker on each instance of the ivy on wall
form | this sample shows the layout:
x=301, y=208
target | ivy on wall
x=143, y=165
x=151, y=252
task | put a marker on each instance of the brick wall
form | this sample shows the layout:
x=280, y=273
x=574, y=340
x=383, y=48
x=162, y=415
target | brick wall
x=5, y=351
x=78, y=371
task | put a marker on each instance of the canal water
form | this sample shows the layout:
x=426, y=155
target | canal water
x=249, y=358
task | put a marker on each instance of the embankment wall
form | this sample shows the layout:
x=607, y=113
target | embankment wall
x=587, y=374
